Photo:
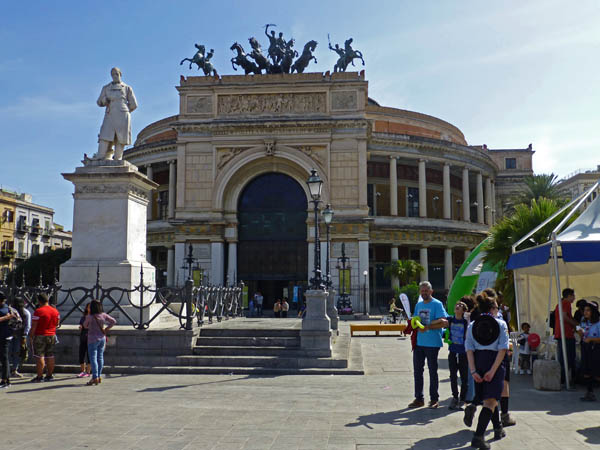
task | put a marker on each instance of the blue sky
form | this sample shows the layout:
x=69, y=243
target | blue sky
x=506, y=73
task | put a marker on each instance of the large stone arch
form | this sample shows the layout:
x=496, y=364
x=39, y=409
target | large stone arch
x=254, y=162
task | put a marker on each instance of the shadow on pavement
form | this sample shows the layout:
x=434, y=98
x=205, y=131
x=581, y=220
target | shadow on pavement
x=422, y=416
x=591, y=434
x=181, y=386
x=47, y=387
x=460, y=439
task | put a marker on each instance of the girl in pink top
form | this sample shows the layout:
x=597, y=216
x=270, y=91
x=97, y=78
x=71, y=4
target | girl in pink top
x=95, y=323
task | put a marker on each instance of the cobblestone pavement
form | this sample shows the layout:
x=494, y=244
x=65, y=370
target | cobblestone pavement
x=222, y=412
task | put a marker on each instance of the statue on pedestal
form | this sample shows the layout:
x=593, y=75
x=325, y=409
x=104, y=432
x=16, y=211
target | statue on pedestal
x=115, y=133
x=346, y=55
x=202, y=60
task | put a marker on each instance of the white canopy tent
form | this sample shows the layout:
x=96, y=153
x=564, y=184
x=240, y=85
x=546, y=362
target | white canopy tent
x=573, y=254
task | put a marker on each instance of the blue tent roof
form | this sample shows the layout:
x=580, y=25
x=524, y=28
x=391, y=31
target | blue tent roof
x=534, y=256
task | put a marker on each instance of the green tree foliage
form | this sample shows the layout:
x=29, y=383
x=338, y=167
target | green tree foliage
x=46, y=265
x=539, y=186
x=510, y=230
x=406, y=270
x=412, y=292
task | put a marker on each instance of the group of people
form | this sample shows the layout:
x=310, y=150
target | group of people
x=18, y=327
x=585, y=323
x=478, y=340
x=255, y=306
x=281, y=307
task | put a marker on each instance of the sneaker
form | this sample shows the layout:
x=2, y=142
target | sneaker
x=82, y=374
x=521, y=372
x=479, y=442
x=508, y=421
x=49, y=378
x=417, y=403
x=87, y=374
x=469, y=413
x=16, y=374
x=529, y=372
x=499, y=433
x=5, y=385
x=453, y=404
x=461, y=405
x=37, y=379
x=588, y=397
x=433, y=404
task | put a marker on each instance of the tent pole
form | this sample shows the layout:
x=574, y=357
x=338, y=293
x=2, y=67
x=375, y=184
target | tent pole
x=548, y=340
x=560, y=310
x=576, y=207
x=516, y=285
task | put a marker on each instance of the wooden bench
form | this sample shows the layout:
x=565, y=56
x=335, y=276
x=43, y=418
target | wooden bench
x=376, y=327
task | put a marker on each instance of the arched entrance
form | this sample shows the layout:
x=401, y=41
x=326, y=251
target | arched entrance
x=272, y=246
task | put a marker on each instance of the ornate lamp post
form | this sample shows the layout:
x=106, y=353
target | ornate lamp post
x=328, y=217
x=343, y=300
x=315, y=184
x=190, y=263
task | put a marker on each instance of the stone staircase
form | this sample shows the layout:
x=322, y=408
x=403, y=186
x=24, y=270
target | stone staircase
x=257, y=351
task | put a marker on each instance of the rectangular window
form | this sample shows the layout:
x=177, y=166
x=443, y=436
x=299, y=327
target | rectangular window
x=35, y=249
x=511, y=163
x=370, y=199
x=163, y=205
x=413, y=202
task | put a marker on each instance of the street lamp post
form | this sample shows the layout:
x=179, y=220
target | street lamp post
x=343, y=301
x=328, y=217
x=315, y=184
x=189, y=263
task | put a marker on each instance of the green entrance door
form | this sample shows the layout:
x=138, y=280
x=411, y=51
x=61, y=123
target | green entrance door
x=272, y=247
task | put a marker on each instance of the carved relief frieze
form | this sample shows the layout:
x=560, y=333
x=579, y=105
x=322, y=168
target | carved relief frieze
x=199, y=104
x=282, y=103
x=110, y=189
x=343, y=100
x=317, y=153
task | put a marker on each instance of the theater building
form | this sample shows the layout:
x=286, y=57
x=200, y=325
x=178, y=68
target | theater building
x=232, y=167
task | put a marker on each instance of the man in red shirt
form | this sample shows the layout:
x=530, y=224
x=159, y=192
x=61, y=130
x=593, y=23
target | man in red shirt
x=43, y=333
x=568, y=297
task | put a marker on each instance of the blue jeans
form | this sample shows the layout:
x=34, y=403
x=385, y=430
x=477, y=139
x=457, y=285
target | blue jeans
x=15, y=353
x=420, y=354
x=96, y=355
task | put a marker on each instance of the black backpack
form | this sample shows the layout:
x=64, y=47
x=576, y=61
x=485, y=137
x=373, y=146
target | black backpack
x=15, y=324
x=552, y=320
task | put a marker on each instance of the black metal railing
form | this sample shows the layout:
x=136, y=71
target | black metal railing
x=139, y=306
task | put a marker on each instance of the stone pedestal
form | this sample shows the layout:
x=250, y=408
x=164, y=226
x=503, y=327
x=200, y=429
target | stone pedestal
x=109, y=228
x=332, y=311
x=546, y=375
x=315, y=336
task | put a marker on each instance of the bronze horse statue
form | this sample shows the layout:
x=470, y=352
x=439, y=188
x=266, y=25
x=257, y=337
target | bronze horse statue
x=241, y=59
x=302, y=62
x=261, y=60
x=202, y=60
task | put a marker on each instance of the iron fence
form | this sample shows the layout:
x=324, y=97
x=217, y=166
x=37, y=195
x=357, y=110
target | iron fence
x=139, y=306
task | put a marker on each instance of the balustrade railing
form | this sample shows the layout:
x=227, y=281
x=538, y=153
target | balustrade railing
x=139, y=306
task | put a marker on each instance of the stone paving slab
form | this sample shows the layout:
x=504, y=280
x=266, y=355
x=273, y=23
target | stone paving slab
x=225, y=412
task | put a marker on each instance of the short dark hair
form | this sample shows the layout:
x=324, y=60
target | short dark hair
x=489, y=292
x=2, y=296
x=96, y=307
x=42, y=298
x=567, y=291
x=485, y=303
x=524, y=324
x=581, y=303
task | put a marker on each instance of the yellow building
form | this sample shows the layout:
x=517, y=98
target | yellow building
x=7, y=231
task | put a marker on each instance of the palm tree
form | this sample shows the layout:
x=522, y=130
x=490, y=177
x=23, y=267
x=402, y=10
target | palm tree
x=511, y=229
x=406, y=270
x=539, y=186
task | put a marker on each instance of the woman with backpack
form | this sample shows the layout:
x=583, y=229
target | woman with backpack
x=95, y=323
x=18, y=347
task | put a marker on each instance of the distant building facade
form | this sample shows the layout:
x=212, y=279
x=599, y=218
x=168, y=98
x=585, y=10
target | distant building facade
x=578, y=182
x=232, y=169
x=27, y=229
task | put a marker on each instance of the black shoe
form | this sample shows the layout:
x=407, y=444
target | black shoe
x=469, y=413
x=49, y=378
x=37, y=379
x=499, y=433
x=507, y=421
x=479, y=442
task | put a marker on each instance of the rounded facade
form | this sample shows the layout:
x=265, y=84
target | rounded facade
x=402, y=185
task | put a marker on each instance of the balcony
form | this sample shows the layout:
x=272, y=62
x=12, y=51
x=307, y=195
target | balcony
x=7, y=254
x=47, y=232
x=22, y=255
x=22, y=228
x=36, y=229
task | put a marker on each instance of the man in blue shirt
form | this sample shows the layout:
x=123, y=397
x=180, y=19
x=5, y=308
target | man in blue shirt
x=429, y=341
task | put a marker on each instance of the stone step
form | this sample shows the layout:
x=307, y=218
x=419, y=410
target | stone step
x=238, y=341
x=260, y=361
x=243, y=350
x=242, y=332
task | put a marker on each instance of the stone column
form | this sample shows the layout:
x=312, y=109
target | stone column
x=216, y=263
x=422, y=189
x=232, y=263
x=447, y=204
x=479, y=197
x=179, y=274
x=394, y=258
x=423, y=261
x=149, y=175
x=448, y=267
x=466, y=201
x=172, y=187
x=315, y=335
x=494, y=211
x=393, y=186
x=488, y=201
x=363, y=264
x=171, y=266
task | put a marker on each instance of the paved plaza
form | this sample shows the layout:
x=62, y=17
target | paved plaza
x=227, y=412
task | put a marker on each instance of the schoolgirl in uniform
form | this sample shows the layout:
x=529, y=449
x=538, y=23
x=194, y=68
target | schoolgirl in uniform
x=486, y=345
x=590, y=349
